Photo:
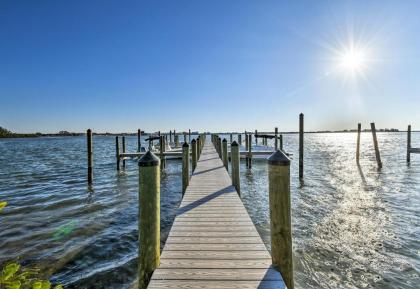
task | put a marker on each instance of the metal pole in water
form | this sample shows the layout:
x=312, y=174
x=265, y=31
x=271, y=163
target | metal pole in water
x=301, y=146
x=359, y=129
x=90, y=156
x=225, y=154
x=185, y=166
x=194, y=154
x=408, y=143
x=234, y=151
x=149, y=217
x=280, y=215
x=375, y=143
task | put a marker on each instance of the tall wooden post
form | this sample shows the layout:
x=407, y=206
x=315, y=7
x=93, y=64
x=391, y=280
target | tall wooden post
x=199, y=147
x=89, y=156
x=149, y=217
x=185, y=166
x=231, y=138
x=225, y=154
x=359, y=129
x=170, y=136
x=281, y=142
x=276, y=141
x=176, y=140
x=185, y=136
x=123, y=150
x=301, y=128
x=256, y=139
x=189, y=135
x=235, y=158
x=240, y=139
x=280, y=215
x=408, y=143
x=249, y=150
x=161, y=150
x=117, y=151
x=246, y=142
x=194, y=154
x=138, y=140
x=375, y=144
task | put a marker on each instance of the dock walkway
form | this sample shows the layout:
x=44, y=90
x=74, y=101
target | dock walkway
x=213, y=243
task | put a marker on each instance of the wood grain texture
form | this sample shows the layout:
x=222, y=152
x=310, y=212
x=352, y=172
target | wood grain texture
x=213, y=242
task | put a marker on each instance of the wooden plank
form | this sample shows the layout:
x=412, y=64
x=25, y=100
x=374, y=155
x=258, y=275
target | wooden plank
x=415, y=150
x=213, y=242
x=212, y=284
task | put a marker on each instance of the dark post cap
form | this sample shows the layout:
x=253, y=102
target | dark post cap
x=193, y=141
x=278, y=158
x=224, y=140
x=185, y=145
x=148, y=160
x=234, y=144
x=89, y=130
x=301, y=114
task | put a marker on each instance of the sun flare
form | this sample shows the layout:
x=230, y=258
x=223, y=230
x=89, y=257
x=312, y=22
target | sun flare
x=353, y=60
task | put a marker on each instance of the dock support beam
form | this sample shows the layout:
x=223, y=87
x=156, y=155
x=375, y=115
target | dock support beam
x=276, y=140
x=375, y=144
x=280, y=215
x=123, y=150
x=235, y=158
x=89, y=156
x=138, y=140
x=149, y=217
x=301, y=128
x=194, y=154
x=185, y=166
x=359, y=129
x=408, y=143
x=117, y=150
x=225, y=154
x=249, y=159
x=240, y=139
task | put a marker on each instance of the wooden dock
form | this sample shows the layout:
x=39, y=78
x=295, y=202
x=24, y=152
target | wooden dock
x=213, y=243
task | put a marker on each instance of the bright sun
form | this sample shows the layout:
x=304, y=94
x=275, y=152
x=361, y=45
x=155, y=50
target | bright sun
x=353, y=60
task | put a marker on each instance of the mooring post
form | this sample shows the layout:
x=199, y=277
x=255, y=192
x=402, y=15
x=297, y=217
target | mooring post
x=194, y=154
x=149, y=217
x=375, y=143
x=161, y=150
x=408, y=143
x=170, y=136
x=138, y=140
x=359, y=129
x=89, y=156
x=185, y=166
x=225, y=154
x=176, y=140
x=234, y=154
x=301, y=127
x=276, y=141
x=123, y=150
x=280, y=215
x=189, y=135
x=256, y=139
x=240, y=139
x=231, y=138
x=199, y=147
x=249, y=150
x=281, y=142
x=246, y=142
x=117, y=151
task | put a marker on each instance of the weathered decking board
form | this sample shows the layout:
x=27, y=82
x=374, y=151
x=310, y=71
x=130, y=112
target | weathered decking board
x=213, y=243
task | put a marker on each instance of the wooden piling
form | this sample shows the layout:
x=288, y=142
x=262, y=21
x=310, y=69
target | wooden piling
x=194, y=154
x=231, y=138
x=281, y=142
x=375, y=144
x=185, y=166
x=149, y=217
x=249, y=150
x=225, y=154
x=170, y=136
x=280, y=215
x=235, y=159
x=301, y=128
x=123, y=150
x=240, y=139
x=161, y=151
x=408, y=144
x=89, y=156
x=256, y=139
x=189, y=135
x=117, y=150
x=176, y=140
x=359, y=129
x=276, y=141
x=138, y=140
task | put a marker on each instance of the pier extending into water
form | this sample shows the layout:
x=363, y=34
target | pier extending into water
x=213, y=242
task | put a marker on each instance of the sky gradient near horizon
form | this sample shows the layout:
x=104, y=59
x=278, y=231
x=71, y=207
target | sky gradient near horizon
x=206, y=65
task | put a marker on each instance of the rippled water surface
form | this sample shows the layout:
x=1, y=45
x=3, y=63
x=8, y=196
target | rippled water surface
x=353, y=226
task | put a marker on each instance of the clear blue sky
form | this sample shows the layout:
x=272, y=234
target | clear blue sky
x=214, y=65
